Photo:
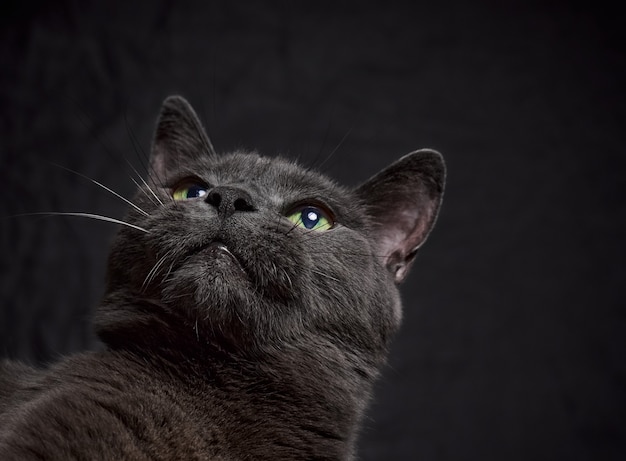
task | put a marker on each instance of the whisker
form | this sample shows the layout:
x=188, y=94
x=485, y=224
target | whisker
x=326, y=275
x=83, y=215
x=103, y=186
x=82, y=116
x=152, y=192
x=154, y=270
x=149, y=168
x=345, y=136
x=141, y=154
x=145, y=184
x=294, y=226
x=206, y=140
x=321, y=149
x=288, y=278
x=169, y=270
x=142, y=190
x=144, y=158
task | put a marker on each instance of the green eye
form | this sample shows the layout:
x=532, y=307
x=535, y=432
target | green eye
x=311, y=218
x=189, y=191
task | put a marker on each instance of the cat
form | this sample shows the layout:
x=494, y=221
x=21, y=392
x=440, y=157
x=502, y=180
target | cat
x=248, y=309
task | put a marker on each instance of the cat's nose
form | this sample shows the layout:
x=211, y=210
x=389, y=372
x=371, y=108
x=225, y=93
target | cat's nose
x=227, y=200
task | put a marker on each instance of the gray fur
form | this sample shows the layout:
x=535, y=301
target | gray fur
x=266, y=351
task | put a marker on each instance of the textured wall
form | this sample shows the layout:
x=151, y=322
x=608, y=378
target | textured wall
x=514, y=337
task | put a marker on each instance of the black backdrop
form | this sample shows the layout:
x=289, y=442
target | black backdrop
x=513, y=345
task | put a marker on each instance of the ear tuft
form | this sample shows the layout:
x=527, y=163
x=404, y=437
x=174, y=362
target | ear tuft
x=179, y=137
x=403, y=201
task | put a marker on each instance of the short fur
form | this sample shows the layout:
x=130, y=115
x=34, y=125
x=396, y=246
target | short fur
x=230, y=332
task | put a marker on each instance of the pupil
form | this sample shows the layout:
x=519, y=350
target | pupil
x=196, y=191
x=310, y=218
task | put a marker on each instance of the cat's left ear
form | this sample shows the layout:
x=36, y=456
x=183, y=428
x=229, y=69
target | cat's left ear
x=179, y=137
x=403, y=201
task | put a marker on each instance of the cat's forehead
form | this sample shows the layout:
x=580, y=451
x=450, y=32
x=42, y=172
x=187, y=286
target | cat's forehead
x=269, y=174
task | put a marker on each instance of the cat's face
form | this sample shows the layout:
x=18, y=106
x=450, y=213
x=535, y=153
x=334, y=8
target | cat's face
x=256, y=251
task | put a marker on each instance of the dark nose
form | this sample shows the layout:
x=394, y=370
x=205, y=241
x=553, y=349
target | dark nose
x=228, y=199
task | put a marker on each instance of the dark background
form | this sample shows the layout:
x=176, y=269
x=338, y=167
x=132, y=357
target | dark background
x=513, y=345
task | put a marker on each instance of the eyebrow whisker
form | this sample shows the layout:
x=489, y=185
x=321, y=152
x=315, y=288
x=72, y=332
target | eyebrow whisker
x=103, y=186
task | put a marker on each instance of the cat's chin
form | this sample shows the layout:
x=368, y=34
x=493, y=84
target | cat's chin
x=217, y=255
x=213, y=276
x=214, y=260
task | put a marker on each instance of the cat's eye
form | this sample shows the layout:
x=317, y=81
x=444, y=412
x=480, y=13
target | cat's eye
x=311, y=218
x=189, y=191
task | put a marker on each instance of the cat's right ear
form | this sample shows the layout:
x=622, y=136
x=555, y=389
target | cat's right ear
x=179, y=138
x=403, y=201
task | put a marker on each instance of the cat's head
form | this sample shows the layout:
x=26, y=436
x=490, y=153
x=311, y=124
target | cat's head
x=255, y=252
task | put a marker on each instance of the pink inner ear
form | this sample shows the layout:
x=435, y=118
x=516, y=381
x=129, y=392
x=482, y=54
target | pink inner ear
x=403, y=200
x=401, y=232
x=400, y=239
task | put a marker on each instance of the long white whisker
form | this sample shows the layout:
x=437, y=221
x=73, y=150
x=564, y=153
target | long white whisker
x=138, y=149
x=143, y=190
x=103, y=186
x=82, y=117
x=169, y=270
x=150, y=189
x=172, y=253
x=84, y=215
x=154, y=270
x=143, y=181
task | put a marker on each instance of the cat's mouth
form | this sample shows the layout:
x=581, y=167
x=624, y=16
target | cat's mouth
x=220, y=249
x=219, y=252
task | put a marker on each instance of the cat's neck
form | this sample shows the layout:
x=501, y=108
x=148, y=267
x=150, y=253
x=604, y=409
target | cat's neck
x=302, y=401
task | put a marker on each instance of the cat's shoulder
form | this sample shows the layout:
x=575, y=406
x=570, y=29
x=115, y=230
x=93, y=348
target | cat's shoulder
x=94, y=397
x=18, y=383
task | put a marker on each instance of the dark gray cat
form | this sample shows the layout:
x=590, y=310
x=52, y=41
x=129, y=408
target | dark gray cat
x=249, y=306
